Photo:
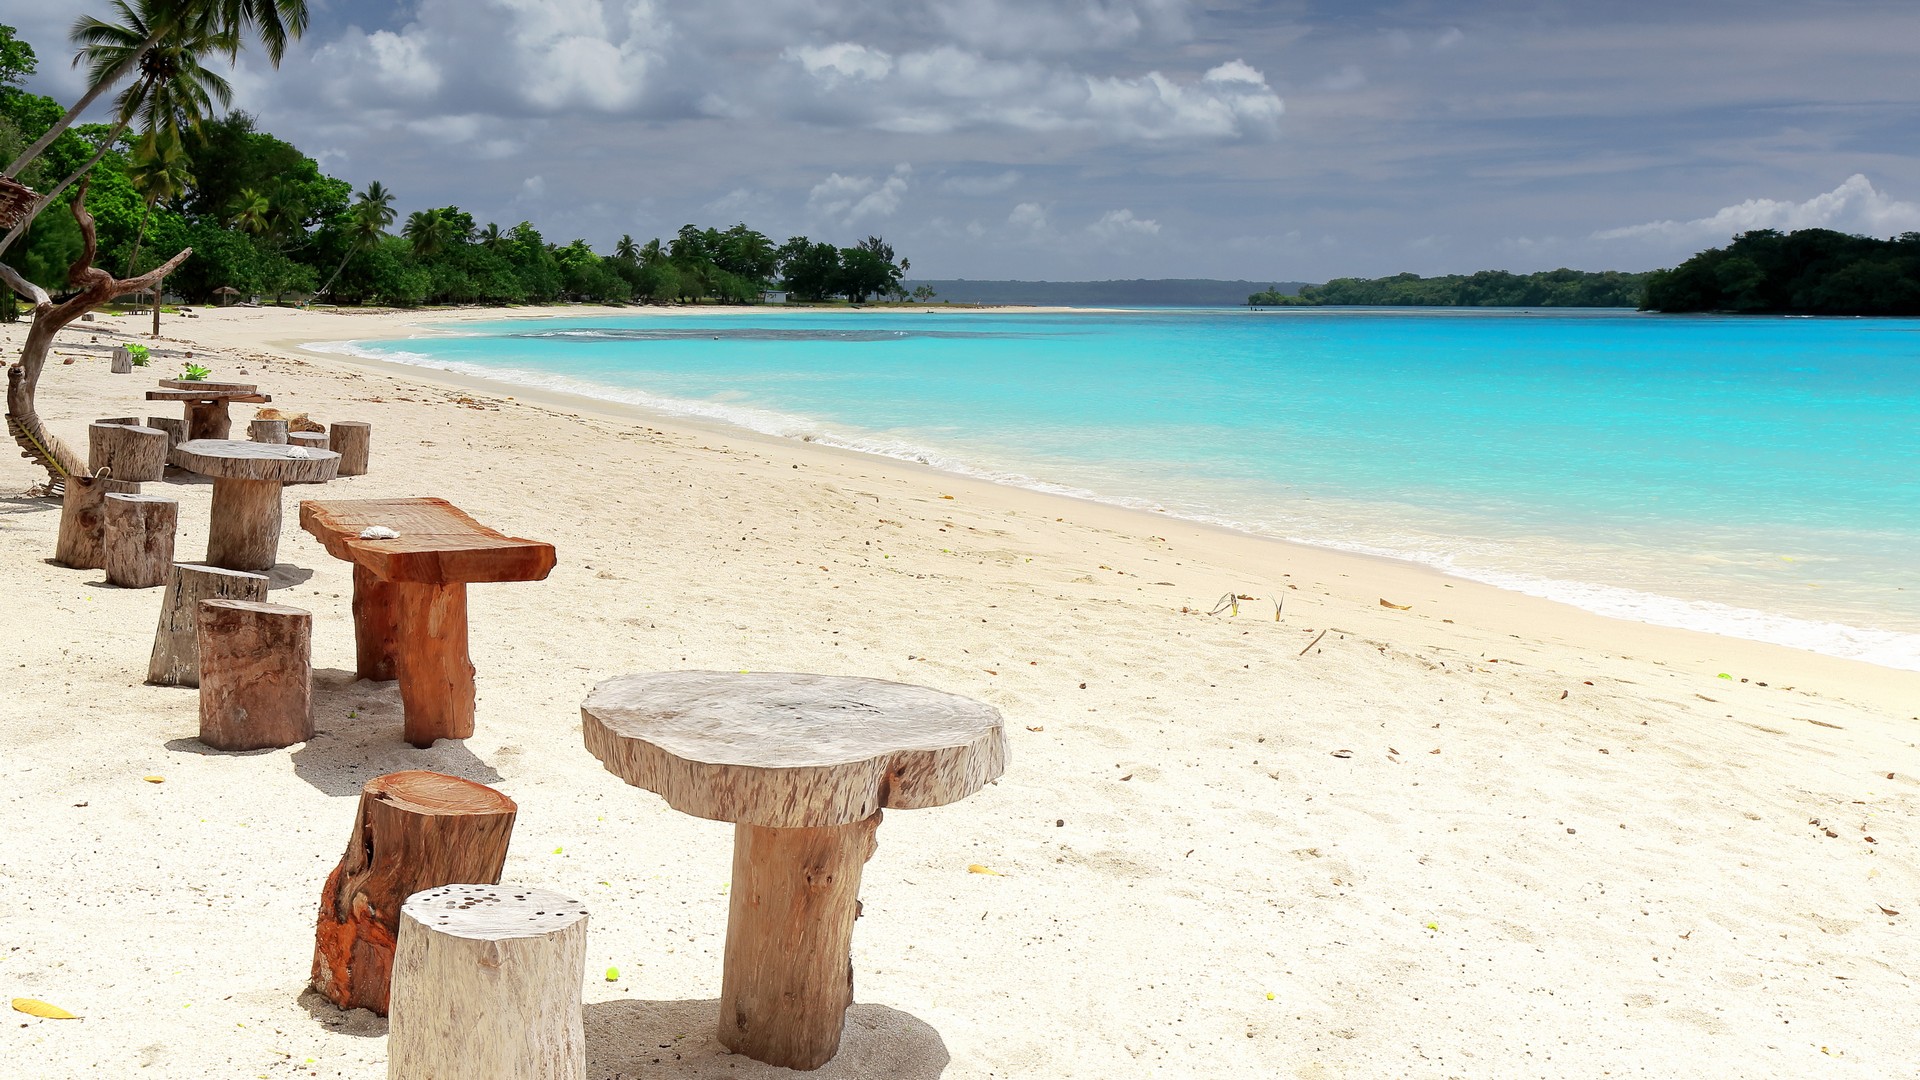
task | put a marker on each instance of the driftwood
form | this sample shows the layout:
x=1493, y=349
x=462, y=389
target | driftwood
x=416, y=830
x=486, y=983
x=95, y=288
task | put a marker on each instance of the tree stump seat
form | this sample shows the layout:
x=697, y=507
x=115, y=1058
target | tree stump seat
x=410, y=598
x=486, y=983
x=415, y=830
x=803, y=765
x=243, y=532
x=256, y=675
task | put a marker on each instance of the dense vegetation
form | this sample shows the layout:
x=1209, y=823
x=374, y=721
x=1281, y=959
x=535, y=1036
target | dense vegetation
x=1138, y=292
x=1809, y=272
x=1488, y=288
x=264, y=220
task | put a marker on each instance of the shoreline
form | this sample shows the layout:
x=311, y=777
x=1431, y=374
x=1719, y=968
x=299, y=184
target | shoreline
x=1812, y=633
x=1480, y=832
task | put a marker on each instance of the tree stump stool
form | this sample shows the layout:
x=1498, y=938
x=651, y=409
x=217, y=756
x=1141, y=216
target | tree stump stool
x=176, y=642
x=256, y=675
x=416, y=830
x=803, y=765
x=268, y=431
x=81, y=544
x=125, y=421
x=313, y=440
x=128, y=452
x=352, y=440
x=122, y=360
x=139, y=540
x=486, y=983
x=175, y=428
x=243, y=532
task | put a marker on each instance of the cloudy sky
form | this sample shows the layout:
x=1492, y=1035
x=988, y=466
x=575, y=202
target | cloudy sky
x=1076, y=139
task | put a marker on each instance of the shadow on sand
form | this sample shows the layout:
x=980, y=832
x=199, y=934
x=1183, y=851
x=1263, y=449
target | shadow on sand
x=627, y=1040
x=357, y=725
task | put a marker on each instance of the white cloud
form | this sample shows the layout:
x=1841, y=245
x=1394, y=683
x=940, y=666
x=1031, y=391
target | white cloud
x=1349, y=77
x=1448, y=38
x=1122, y=225
x=1028, y=218
x=1854, y=206
x=843, y=60
x=738, y=201
x=855, y=198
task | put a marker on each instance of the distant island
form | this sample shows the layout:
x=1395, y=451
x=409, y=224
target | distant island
x=1488, y=288
x=1808, y=272
x=1148, y=292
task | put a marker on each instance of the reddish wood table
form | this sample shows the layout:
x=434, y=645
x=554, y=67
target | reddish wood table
x=410, y=597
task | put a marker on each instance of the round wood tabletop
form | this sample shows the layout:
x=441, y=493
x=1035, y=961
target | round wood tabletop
x=242, y=460
x=791, y=751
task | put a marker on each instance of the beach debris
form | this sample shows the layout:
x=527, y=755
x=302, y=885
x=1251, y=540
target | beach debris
x=613, y=974
x=1228, y=603
x=154, y=779
x=1311, y=644
x=1276, y=608
x=35, y=1007
x=1885, y=910
x=976, y=868
x=1343, y=753
x=1386, y=603
x=1724, y=675
x=1033, y=727
x=378, y=532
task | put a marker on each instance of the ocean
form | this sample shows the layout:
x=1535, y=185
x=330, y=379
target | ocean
x=1755, y=477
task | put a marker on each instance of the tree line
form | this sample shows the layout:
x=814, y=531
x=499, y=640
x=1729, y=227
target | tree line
x=1806, y=272
x=1488, y=288
x=263, y=219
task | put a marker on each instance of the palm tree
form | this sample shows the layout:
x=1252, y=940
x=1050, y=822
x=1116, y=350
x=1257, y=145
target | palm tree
x=274, y=21
x=371, y=216
x=158, y=172
x=491, y=237
x=173, y=92
x=626, y=250
x=430, y=232
x=252, y=213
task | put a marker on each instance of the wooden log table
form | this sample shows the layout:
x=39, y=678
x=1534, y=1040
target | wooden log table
x=206, y=403
x=410, y=597
x=803, y=765
x=243, y=532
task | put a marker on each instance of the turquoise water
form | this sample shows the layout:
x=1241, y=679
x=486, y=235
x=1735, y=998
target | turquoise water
x=1754, y=477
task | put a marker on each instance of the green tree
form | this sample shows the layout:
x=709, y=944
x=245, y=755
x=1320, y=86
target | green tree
x=158, y=172
x=371, y=216
x=429, y=231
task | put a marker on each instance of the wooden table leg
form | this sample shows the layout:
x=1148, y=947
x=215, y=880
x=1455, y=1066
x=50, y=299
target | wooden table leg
x=436, y=675
x=789, y=967
x=244, y=530
x=376, y=626
x=208, y=420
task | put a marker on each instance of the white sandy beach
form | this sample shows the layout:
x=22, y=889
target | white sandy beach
x=1484, y=836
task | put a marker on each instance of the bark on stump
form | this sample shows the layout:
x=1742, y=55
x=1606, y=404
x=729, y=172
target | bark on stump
x=416, y=830
x=486, y=983
x=268, y=431
x=83, y=520
x=256, y=675
x=175, y=428
x=313, y=440
x=139, y=540
x=351, y=439
x=122, y=360
x=129, y=453
x=247, y=533
x=176, y=643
